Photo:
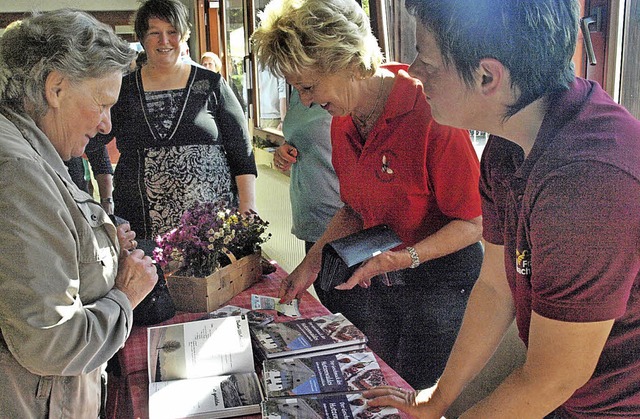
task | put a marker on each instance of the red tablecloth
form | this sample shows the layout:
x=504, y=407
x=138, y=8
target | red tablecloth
x=128, y=392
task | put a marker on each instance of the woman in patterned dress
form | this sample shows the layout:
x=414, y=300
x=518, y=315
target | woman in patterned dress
x=180, y=130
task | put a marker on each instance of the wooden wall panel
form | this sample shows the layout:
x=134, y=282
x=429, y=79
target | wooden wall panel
x=111, y=18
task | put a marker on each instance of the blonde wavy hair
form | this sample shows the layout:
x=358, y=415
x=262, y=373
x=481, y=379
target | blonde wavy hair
x=327, y=36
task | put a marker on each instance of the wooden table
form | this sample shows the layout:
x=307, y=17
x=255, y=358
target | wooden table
x=128, y=393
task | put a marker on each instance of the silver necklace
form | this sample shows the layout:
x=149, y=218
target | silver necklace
x=364, y=121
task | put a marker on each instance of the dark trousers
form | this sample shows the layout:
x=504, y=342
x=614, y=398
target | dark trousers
x=413, y=327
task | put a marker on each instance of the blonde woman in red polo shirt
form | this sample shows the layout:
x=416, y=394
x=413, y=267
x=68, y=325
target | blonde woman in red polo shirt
x=396, y=166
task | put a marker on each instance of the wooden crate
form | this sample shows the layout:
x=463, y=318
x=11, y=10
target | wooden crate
x=194, y=294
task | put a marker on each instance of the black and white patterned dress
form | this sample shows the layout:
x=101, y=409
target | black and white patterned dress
x=177, y=147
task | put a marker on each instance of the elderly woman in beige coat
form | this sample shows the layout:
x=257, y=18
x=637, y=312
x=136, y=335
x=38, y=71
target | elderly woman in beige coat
x=68, y=278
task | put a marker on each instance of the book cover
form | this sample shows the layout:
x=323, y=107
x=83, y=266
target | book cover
x=330, y=333
x=337, y=373
x=331, y=406
x=208, y=397
x=200, y=348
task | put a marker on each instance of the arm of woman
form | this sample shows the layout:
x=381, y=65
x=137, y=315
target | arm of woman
x=489, y=313
x=561, y=358
x=100, y=162
x=246, y=193
x=234, y=134
x=454, y=236
x=344, y=222
x=60, y=313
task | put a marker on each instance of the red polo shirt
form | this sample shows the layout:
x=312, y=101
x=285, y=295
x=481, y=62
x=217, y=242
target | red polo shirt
x=411, y=173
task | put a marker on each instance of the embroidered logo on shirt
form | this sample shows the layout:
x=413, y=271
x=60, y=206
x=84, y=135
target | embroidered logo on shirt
x=523, y=262
x=387, y=160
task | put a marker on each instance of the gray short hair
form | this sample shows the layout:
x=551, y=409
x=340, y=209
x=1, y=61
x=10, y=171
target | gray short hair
x=66, y=40
x=324, y=35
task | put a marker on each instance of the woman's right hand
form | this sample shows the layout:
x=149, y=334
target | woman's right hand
x=137, y=275
x=294, y=285
x=285, y=156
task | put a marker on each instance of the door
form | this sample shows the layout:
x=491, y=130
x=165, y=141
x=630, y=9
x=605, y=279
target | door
x=630, y=65
x=590, y=58
x=610, y=54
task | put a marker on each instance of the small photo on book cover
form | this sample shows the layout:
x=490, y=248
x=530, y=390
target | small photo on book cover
x=208, y=397
x=332, y=331
x=255, y=317
x=345, y=406
x=336, y=373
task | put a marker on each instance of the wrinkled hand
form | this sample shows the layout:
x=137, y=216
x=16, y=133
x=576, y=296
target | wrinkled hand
x=377, y=265
x=421, y=404
x=294, y=285
x=137, y=275
x=126, y=237
x=285, y=156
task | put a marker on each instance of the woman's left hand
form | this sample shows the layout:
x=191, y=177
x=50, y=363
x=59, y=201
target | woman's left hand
x=126, y=237
x=385, y=262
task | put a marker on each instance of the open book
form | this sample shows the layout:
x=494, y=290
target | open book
x=203, y=368
x=326, y=334
x=338, y=373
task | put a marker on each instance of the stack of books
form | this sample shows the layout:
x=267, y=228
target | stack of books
x=317, y=368
x=311, y=368
x=328, y=334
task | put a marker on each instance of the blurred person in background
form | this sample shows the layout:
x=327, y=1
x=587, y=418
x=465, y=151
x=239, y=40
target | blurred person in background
x=273, y=99
x=314, y=188
x=211, y=61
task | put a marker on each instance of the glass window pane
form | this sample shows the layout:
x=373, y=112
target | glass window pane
x=234, y=26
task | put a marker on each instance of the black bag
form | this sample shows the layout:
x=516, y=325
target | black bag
x=158, y=305
x=341, y=257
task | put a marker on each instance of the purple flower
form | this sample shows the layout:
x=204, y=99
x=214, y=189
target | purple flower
x=206, y=232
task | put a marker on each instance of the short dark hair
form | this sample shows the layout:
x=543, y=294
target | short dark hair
x=534, y=39
x=172, y=11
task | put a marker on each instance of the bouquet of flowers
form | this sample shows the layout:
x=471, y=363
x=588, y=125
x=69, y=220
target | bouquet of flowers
x=206, y=234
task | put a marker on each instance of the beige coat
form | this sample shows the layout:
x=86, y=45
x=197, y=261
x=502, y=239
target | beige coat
x=60, y=317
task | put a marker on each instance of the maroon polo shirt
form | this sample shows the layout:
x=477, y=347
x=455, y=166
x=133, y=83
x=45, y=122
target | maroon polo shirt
x=569, y=219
